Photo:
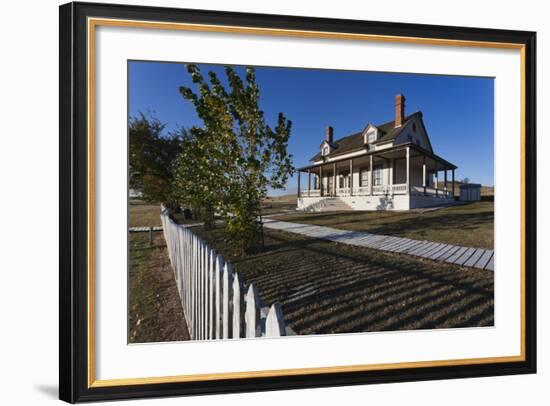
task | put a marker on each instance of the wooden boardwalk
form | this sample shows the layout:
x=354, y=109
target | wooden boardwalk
x=453, y=254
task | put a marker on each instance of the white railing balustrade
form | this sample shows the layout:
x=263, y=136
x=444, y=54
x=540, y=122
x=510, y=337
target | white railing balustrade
x=361, y=191
x=343, y=191
x=399, y=188
x=396, y=189
x=432, y=192
x=216, y=304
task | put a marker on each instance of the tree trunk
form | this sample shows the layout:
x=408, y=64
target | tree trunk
x=209, y=218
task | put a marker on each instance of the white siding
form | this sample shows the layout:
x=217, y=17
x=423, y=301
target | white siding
x=418, y=137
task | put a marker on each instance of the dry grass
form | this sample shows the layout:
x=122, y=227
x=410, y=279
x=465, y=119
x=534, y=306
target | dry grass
x=470, y=224
x=326, y=287
x=148, y=215
x=144, y=215
x=155, y=312
x=276, y=204
x=488, y=191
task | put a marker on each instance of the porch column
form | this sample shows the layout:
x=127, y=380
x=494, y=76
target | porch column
x=453, y=182
x=445, y=180
x=424, y=173
x=298, y=183
x=351, y=177
x=321, y=180
x=390, y=175
x=436, y=180
x=334, y=179
x=408, y=169
x=370, y=176
x=308, y=182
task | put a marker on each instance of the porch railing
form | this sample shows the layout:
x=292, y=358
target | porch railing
x=358, y=191
x=397, y=189
x=343, y=191
x=432, y=192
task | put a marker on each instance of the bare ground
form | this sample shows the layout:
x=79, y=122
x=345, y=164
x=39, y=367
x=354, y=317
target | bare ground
x=155, y=311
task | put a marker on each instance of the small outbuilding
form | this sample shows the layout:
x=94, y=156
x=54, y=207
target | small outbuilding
x=470, y=192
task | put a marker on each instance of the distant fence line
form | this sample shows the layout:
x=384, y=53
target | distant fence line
x=215, y=303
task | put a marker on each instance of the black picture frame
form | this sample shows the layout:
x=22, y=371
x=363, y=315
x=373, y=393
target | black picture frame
x=74, y=199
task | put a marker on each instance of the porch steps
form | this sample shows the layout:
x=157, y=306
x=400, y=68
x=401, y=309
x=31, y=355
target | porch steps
x=335, y=204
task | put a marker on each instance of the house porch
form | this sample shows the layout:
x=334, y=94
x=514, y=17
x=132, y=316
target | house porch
x=398, y=178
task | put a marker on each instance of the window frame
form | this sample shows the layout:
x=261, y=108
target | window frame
x=363, y=182
x=377, y=175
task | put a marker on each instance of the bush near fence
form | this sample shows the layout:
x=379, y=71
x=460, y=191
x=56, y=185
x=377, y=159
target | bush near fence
x=215, y=302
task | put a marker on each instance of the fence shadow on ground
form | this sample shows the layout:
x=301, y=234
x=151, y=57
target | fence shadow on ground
x=334, y=288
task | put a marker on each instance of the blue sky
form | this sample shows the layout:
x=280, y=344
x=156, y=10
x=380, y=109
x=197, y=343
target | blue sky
x=458, y=111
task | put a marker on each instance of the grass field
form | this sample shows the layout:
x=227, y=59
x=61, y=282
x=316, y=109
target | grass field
x=326, y=287
x=276, y=204
x=155, y=312
x=148, y=215
x=323, y=287
x=468, y=224
x=485, y=190
x=144, y=215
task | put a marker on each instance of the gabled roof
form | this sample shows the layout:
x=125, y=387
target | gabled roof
x=354, y=142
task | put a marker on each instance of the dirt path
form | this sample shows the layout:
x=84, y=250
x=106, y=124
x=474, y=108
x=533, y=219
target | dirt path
x=155, y=313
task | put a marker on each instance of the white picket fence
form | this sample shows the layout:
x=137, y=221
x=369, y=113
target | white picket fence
x=213, y=297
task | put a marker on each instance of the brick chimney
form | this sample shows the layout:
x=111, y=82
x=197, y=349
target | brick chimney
x=399, y=110
x=329, y=134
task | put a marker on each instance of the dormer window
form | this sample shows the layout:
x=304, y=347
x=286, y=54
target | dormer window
x=370, y=135
x=325, y=151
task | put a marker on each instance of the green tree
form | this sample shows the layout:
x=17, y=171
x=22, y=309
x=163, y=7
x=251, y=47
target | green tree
x=246, y=155
x=199, y=176
x=151, y=154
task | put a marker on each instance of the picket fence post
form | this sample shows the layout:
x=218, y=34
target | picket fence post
x=214, y=300
x=252, y=314
x=211, y=270
x=237, y=299
x=274, y=324
x=227, y=281
x=217, y=294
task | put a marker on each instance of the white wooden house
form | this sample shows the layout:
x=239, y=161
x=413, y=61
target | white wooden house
x=391, y=166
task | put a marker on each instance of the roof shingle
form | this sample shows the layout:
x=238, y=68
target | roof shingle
x=354, y=142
